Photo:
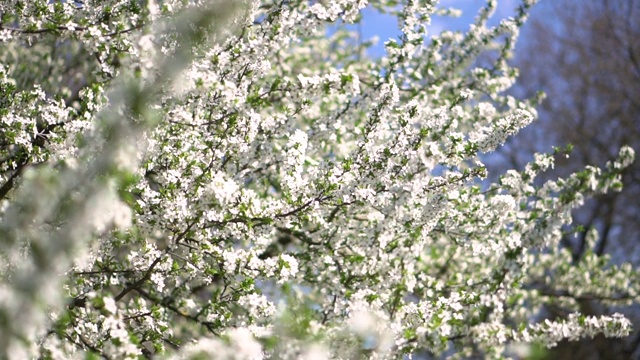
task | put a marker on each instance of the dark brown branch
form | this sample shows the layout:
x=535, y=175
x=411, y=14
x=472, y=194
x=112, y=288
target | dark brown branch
x=66, y=28
x=8, y=185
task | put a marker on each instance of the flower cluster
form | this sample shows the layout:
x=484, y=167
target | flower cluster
x=231, y=180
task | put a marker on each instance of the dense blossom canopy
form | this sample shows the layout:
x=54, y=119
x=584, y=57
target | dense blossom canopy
x=238, y=180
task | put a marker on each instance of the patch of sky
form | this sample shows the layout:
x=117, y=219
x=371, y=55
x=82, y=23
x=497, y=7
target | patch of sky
x=384, y=26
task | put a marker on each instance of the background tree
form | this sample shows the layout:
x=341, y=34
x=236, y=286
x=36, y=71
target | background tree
x=586, y=57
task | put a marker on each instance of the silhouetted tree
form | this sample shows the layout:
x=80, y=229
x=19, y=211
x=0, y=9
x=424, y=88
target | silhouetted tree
x=585, y=56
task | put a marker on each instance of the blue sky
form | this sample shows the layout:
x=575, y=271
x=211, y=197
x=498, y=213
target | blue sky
x=385, y=27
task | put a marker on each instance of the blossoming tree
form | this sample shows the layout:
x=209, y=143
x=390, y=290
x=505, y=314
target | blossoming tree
x=218, y=179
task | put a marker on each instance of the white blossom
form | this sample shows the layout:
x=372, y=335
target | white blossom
x=188, y=165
